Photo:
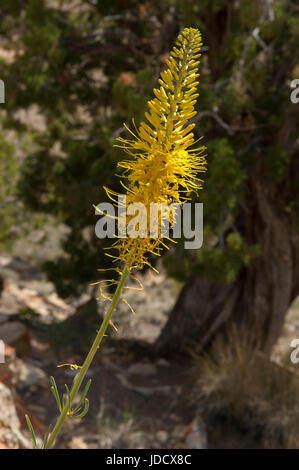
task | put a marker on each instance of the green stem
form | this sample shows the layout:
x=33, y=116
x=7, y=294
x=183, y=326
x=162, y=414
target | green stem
x=92, y=352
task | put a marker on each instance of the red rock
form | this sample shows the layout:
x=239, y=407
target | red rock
x=3, y=446
x=9, y=352
x=21, y=409
x=15, y=334
x=5, y=373
x=9, y=421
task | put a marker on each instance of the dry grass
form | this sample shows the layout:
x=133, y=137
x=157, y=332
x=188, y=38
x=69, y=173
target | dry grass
x=239, y=388
x=119, y=429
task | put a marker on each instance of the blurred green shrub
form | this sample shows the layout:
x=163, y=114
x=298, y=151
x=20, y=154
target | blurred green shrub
x=91, y=67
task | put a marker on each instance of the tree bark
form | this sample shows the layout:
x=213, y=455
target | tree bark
x=258, y=300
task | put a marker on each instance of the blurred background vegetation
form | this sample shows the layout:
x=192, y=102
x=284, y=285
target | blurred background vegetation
x=75, y=71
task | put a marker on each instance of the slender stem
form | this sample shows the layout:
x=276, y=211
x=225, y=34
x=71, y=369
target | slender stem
x=92, y=352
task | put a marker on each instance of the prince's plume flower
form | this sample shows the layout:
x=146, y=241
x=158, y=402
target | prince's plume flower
x=162, y=168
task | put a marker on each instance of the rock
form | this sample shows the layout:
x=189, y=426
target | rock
x=78, y=443
x=9, y=357
x=9, y=303
x=22, y=410
x=3, y=318
x=5, y=373
x=144, y=391
x=9, y=353
x=10, y=435
x=3, y=446
x=37, y=236
x=162, y=362
x=42, y=288
x=197, y=435
x=174, y=417
x=162, y=436
x=19, y=266
x=27, y=375
x=179, y=430
x=17, y=335
x=166, y=390
x=125, y=383
x=4, y=260
x=18, y=297
x=142, y=369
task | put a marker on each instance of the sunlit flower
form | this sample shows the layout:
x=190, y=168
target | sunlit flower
x=164, y=165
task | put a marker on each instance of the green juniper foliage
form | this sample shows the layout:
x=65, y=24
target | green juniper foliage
x=91, y=68
x=8, y=203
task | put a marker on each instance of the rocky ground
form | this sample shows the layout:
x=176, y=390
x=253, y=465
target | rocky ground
x=135, y=401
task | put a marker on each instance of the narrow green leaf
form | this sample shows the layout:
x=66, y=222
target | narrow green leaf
x=84, y=393
x=33, y=438
x=86, y=408
x=54, y=390
x=47, y=436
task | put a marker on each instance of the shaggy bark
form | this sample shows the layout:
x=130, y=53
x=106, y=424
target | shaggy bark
x=258, y=300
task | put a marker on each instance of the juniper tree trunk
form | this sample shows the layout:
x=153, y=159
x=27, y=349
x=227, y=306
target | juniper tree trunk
x=259, y=298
